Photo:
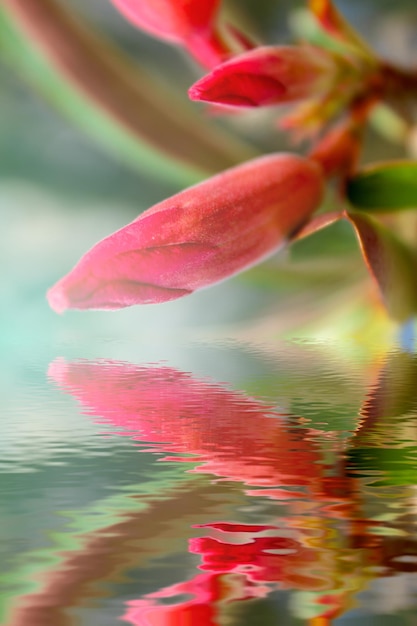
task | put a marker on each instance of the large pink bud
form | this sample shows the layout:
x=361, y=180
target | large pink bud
x=196, y=238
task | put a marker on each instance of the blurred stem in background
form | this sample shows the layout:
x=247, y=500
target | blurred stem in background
x=114, y=100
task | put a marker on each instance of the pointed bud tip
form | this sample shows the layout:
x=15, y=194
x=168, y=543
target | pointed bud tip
x=195, y=93
x=241, y=89
x=57, y=299
x=222, y=99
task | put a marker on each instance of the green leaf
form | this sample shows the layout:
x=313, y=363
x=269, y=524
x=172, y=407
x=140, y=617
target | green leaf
x=390, y=186
x=391, y=264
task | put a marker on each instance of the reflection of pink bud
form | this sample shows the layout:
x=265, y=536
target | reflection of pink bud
x=264, y=76
x=196, y=238
x=178, y=414
x=191, y=23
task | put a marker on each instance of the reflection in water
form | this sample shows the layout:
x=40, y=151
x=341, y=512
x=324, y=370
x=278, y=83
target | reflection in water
x=329, y=514
x=234, y=436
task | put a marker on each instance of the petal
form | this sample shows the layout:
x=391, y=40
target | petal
x=191, y=23
x=198, y=237
x=173, y=20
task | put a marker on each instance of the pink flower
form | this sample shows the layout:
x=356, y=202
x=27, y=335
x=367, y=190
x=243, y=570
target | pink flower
x=191, y=23
x=265, y=76
x=196, y=238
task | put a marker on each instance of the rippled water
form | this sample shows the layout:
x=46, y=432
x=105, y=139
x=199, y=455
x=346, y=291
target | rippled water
x=208, y=483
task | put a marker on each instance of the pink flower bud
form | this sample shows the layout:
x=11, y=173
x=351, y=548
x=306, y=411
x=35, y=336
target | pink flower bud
x=178, y=414
x=196, y=238
x=265, y=76
x=191, y=23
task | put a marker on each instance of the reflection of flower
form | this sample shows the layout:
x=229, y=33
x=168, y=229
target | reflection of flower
x=264, y=559
x=237, y=572
x=325, y=551
x=235, y=436
x=252, y=568
x=196, y=238
x=210, y=592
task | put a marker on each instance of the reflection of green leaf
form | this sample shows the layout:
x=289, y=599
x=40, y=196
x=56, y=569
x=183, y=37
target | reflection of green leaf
x=390, y=262
x=385, y=187
x=384, y=446
x=385, y=466
x=393, y=395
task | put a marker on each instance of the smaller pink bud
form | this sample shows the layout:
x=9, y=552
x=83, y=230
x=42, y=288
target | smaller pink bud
x=196, y=238
x=265, y=76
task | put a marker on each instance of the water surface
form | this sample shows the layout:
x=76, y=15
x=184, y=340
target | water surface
x=208, y=482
